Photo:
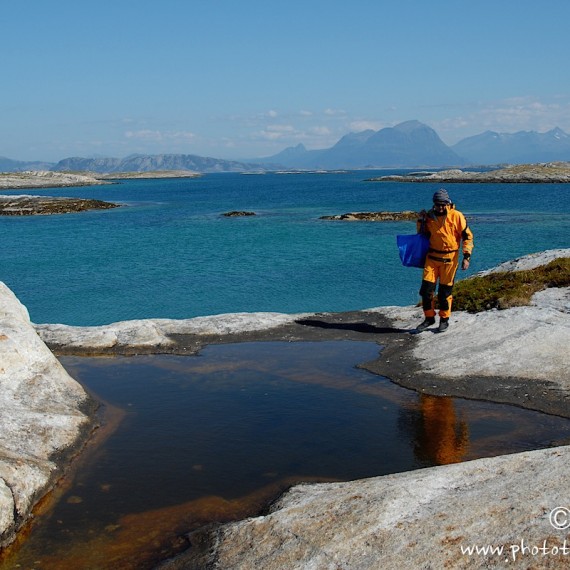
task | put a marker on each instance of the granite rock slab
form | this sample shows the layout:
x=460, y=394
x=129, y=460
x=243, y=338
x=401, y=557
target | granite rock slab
x=427, y=519
x=41, y=421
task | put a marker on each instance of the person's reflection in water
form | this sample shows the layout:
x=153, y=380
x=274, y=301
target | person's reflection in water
x=442, y=437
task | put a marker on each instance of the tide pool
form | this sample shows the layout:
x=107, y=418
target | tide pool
x=216, y=437
x=169, y=253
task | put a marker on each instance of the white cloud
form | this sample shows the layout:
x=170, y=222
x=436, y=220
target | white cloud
x=272, y=131
x=159, y=136
x=358, y=126
x=144, y=134
x=524, y=113
x=334, y=112
x=506, y=116
x=281, y=128
x=320, y=131
x=275, y=132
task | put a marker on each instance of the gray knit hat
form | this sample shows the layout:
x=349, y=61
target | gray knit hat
x=441, y=196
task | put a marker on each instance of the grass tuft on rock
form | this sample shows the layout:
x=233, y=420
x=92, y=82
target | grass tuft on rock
x=509, y=289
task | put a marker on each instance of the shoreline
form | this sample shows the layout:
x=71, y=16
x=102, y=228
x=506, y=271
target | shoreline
x=534, y=173
x=503, y=360
x=395, y=361
x=488, y=365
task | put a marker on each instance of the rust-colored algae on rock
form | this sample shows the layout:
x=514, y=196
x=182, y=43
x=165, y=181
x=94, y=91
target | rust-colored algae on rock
x=108, y=420
x=142, y=540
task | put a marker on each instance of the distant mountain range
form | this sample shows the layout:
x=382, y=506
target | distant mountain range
x=407, y=145
x=517, y=148
x=147, y=163
x=411, y=144
x=9, y=165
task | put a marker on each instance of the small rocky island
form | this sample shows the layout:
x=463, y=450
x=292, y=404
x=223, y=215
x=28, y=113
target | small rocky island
x=150, y=174
x=47, y=179
x=43, y=205
x=406, y=215
x=550, y=172
x=26, y=205
x=238, y=214
x=51, y=179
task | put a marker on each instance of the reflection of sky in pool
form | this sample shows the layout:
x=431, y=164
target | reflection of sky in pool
x=241, y=418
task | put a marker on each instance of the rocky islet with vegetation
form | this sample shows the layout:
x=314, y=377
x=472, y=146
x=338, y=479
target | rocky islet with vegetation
x=551, y=172
x=28, y=205
x=556, y=172
x=45, y=205
x=406, y=215
x=47, y=179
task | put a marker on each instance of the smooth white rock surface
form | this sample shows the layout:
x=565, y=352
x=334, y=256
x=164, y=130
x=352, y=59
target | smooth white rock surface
x=484, y=344
x=39, y=414
x=425, y=519
x=526, y=342
x=46, y=178
x=154, y=332
x=529, y=261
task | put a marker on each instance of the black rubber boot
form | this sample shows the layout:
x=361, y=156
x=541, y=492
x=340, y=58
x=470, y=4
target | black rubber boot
x=443, y=324
x=427, y=323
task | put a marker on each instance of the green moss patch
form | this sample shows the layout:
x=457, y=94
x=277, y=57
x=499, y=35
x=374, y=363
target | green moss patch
x=509, y=289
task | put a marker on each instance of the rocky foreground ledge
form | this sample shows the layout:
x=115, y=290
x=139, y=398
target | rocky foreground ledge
x=431, y=518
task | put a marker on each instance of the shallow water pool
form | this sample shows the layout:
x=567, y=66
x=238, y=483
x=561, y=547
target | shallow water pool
x=215, y=437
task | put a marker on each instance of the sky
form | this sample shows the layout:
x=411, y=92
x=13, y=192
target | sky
x=240, y=79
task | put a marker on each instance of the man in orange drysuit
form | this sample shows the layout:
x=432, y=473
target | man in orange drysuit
x=447, y=229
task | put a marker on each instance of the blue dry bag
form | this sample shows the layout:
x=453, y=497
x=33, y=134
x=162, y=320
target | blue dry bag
x=413, y=249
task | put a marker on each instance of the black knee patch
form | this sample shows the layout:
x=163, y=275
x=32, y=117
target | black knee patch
x=443, y=293
x=426, y=291
x=427, y=288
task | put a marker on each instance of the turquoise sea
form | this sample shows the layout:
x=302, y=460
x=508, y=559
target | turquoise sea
x=169, y=253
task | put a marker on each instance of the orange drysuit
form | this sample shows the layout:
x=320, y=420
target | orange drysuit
x=446, y=234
